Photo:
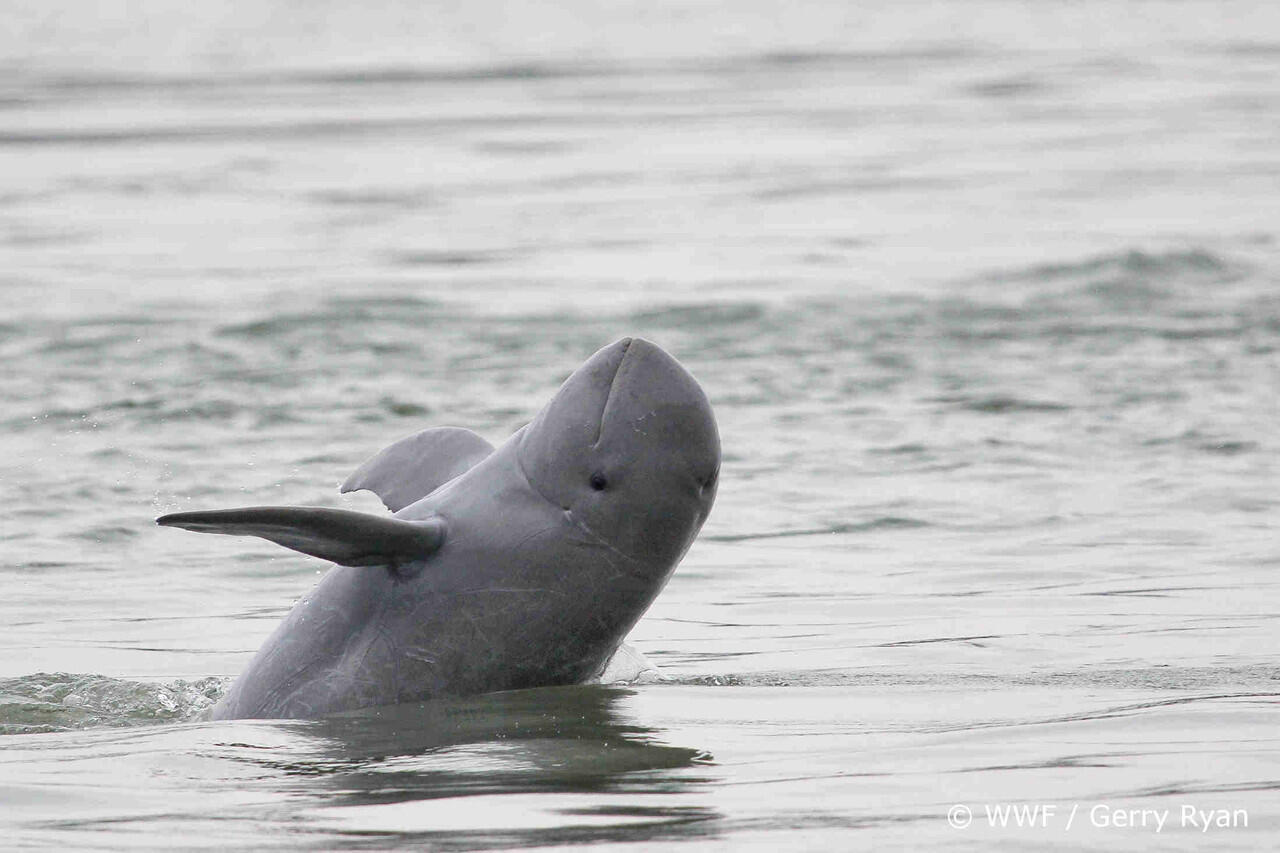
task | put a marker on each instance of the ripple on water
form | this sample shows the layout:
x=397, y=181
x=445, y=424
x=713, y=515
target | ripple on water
x=872, y=525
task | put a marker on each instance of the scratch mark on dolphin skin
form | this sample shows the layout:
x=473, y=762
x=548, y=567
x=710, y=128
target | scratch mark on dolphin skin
x=287, y=689
x=595, y=538
x=535, y=534
x=600, y=541
x=475, y=626
x=283, y=693
x=420, y=656
x=378, y=634
x=514, y=589
x=635, y=424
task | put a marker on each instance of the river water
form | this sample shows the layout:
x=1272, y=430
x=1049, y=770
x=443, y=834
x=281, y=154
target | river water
x=986, y=296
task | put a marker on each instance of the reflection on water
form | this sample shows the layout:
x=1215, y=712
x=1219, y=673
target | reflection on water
x=615, y=778
x=570, y=739
x=534, y=767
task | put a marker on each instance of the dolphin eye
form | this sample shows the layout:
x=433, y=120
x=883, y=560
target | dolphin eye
x=598, y=482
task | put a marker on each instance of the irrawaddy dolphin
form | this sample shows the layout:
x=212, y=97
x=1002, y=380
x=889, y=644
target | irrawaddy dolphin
x=499, y=569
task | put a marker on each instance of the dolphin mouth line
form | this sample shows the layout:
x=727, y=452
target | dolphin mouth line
x=594, y=537
x=578, y=523
x=600, y=540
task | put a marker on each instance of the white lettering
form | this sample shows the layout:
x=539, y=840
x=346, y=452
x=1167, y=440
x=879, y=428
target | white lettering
x=1203, y=819
x=1103, y=816
x=1020, y=815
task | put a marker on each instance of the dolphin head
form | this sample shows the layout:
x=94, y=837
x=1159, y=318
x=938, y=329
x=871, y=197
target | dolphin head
x=629, y=449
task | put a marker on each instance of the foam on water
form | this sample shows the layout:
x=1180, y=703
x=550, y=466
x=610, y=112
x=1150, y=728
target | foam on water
x=52, y=702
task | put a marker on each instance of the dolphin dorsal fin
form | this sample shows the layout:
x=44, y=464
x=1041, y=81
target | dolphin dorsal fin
x=337, y=535
x=416, y=466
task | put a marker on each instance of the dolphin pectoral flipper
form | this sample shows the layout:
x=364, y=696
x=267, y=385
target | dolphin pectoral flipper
x=338, y=535
x=416, y=466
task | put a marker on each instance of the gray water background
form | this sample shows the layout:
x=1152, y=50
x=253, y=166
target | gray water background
x=986, y=296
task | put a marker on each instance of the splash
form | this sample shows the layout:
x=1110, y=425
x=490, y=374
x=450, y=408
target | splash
x=58, y=702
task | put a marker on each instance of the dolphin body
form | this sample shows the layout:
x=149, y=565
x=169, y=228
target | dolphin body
x=500, y=569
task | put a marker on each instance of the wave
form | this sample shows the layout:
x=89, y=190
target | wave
x=1212, y=681
x=875, y=524
x=1133, y=263
x=60, y=701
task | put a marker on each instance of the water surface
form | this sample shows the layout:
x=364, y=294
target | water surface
x=986, y=296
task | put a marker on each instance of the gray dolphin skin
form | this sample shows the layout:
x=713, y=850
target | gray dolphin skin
x=502, y=569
